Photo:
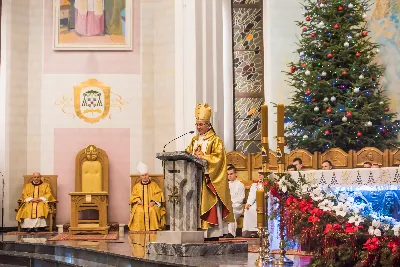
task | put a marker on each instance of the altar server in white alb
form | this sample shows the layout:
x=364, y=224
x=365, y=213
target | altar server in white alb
x=237, y=195
x=250, y=213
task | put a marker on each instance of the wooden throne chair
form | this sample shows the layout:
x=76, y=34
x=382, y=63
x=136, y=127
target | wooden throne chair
x=91, y=192
x=52, y=181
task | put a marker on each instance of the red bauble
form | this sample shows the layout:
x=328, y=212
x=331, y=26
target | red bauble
x=383, y=131
x=308, y=92
x=304, y=29
x=312, y=35
x=316, y=120
x=308, y=19
x=364, y=34
x=386, y=109
x=358, y=54
x=327, y=132
x=329, y=110
x=373, y=78
x=292, y=69
x=349, y=114
x=340, y=8
x=344, y=73
x=313, y=100
x=330, y=55
x=303, y=65
x=359, y=134
x=336, y=26
x=325, y=43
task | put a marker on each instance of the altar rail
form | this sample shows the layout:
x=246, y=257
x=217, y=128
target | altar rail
x=247, y=165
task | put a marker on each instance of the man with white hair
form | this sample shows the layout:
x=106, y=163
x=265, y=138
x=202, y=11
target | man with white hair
x=34, y=210
x=146, y=199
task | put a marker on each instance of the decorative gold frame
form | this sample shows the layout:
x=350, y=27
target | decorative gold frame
x=77, y=101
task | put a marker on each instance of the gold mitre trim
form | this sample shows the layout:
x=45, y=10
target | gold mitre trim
x=202, y=112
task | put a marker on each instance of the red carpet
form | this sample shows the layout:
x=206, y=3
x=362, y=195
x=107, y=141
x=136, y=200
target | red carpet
x=25, y=233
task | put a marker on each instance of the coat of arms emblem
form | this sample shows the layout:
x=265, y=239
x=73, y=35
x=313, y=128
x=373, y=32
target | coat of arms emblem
x=91, y=100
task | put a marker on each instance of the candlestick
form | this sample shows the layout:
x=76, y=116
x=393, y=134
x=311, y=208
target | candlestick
x=281, y=132
x=264, y=121
x=260, y=202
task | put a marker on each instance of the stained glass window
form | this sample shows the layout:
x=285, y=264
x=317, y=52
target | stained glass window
x=248, y=73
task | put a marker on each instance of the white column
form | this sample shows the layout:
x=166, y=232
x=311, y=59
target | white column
x=185, y=69
x=227, y=75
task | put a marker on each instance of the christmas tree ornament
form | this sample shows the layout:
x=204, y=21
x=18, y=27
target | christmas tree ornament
x=327, y=132
x=344, y=73
x=307, y=72
x=313, y=100
x=373, y=78
x=292, y=69
x=304, y=29
x=358, y=54
x=383, y=131
x=328, y=110
x=340, y=8
x=308, y=19
x=361, y=77
x=377, y=50
x=356, y=90
x=308, y=92
x=349, y=114
x=305, y=137
x=326, y=99
x=365, y=34
x=346, y=44
x=303, y=65
x=301, y=53
x=359, y=134
x=344, y=119
x=364, y=16
x=316, y=109
x=330, y=55
x=369, y=123
x=323, y=74
x=312, y=35
x=333, y=99
x=381, y=103
x=336, y=26
x=386, y=109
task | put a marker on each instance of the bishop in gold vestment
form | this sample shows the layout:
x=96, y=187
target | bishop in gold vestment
x=35, y=208
x=146, y=200
x=216, y=205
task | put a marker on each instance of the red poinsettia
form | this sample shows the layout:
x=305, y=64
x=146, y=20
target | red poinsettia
x=371, y=244
x=332, y=227
x=392, y=245
x=313, y=219
x=305, y=205
x=291, y=199
x=317, y=212
x=351, y=228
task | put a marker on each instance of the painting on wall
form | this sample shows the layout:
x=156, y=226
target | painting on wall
x=384, y=24
x=92, y=24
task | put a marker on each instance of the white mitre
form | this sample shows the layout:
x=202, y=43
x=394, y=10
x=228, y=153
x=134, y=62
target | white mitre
x=142, y=168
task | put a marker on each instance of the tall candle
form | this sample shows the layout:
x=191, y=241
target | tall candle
x=264, y=122
x=260, y=202
x=281, y=120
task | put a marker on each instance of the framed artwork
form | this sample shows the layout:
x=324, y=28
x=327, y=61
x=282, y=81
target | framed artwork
x=92, y=24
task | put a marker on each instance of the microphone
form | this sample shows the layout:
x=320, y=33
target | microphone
x=190, y=132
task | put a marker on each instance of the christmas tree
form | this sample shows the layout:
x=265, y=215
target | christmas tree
x=338, y=101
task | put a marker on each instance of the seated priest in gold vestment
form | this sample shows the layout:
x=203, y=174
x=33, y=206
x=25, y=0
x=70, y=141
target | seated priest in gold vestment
x=146, y=200
x=216, y=204
x=34, y=210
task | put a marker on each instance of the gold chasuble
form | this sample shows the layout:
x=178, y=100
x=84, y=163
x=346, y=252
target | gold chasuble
x=30, y=210
x=213, y=152
x=144, y=217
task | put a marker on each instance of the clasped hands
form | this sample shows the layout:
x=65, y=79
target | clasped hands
x=151, y=204
x=35, y=200
x=247, y=206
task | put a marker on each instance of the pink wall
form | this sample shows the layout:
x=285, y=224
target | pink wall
x=115, y=142
x=90, y=62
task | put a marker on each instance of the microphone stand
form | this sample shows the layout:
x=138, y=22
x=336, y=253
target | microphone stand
x=191, y=132
x=2, y=204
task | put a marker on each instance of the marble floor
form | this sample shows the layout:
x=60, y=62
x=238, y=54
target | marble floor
x=133, y=245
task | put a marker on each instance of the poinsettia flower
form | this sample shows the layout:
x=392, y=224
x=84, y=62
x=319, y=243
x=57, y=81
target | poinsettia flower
x=326, y=205
x=305, y=205
x=341, y=209
x=313, y=219
x=371, y=244
x=356, y=219
x=316, y=212
x=332, y=227
x=316, y=194
x=373, y=229
x=393, y=246
x=351, y=228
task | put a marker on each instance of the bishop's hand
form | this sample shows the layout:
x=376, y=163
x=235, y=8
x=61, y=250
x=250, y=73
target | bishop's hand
x=139, y=202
